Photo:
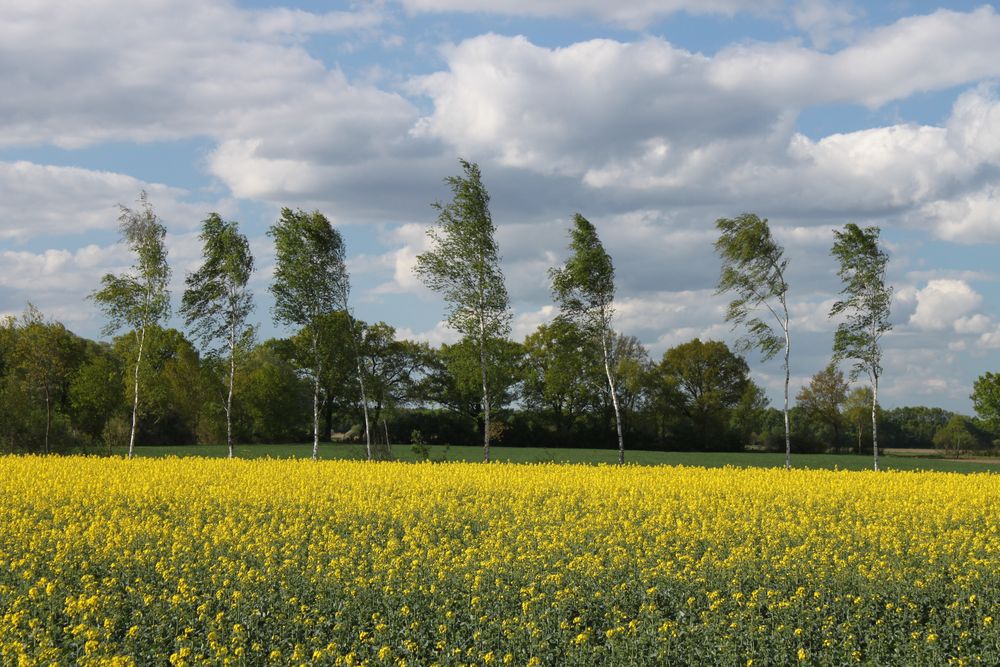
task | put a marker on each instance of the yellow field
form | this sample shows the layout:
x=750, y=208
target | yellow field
x=193, y=561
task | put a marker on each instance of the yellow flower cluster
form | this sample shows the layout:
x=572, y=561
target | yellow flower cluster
x=197, y=561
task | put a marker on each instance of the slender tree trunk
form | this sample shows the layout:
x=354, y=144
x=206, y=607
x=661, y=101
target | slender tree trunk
x=614, y=397
x=788, y=429
x=315, y=452
x=385, y=425
x=229, y=398
x=135, y=394
x=48, y=418
x=319, y=371
x=486, y=388
x=361, y=381
x=364, y=409
x=875, y=418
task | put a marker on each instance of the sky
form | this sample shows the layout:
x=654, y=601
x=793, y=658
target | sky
x=652, y=118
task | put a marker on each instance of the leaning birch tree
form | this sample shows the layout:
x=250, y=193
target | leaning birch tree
x=753, y=269
x=308, y=283
x=865, y=305
x=138, y=298
x=584, y=288
x=217, y=302
x=463, y=265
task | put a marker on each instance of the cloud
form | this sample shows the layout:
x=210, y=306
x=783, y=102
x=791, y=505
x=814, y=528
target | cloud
x=824, y=21
x=942, y=303
x=40, y=200
x=888, y=63
x=628, y=13
x=188, y=68
x=675, y=128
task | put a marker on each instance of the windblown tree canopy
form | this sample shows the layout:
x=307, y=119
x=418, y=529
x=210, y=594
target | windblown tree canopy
x=217, y=302
x=865, y=306
x=753, y=269
x=463, y=265
x=310, y=278
x=139, y=298
x=584, y=288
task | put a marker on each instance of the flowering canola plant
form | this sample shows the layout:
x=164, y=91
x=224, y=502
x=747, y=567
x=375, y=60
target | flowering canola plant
x=229, y=562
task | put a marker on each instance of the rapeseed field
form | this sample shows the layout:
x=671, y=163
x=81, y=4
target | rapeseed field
x=198, y=561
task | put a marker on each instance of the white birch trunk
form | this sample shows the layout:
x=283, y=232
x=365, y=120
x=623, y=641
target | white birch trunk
x=135, y=394
x=875, y=418
x=486, y=388
x=229, y=398
x=788, y=430
x=319, y=370
x=48, y=417
x=614, y=397
x=364, y=409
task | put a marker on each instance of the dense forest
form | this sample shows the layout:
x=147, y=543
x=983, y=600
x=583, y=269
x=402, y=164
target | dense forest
x=575, y=381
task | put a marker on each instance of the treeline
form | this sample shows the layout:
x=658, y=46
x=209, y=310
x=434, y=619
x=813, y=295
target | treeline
x=575, y=381
x=60, y=392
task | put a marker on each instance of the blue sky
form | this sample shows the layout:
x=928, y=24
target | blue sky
x=651, y=117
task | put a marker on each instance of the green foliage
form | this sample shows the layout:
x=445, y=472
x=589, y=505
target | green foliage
x=562, y=373
x=310, y=282
x=217, y=302
x=858, y=413
x=139, y=297
x=753, y=269
x=957, y=436
x=584, y=287
x=95, y=392
x=986, y=399
x=310, y=275
x=703, y=383
x=463, y=263
x=866, y=299
x=418, y=446
x=822, y=399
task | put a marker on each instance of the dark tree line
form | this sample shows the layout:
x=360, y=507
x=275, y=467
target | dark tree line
x=551, y=390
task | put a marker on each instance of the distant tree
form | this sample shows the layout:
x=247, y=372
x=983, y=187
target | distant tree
x=217, y=301
x=95, y=392
x=584, y=288
x=865, y=305
x=631, y=367
x=558, y=373
x=986, y=399
x=42, y=359
x=272, y=396
x=857, y=413
x=753, y=268
x=707, y=381
x=139, y=298
x=957, y=436
x=463, y=265
x=390, y=366
x=310, y=278
x=822, y=397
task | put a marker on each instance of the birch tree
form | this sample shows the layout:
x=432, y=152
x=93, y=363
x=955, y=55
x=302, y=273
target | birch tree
x=865, y=305
x=310, y=278
x=753, y=269
x=138, y=298
x=217, y=302
x=463, y=265
x=584, y=288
